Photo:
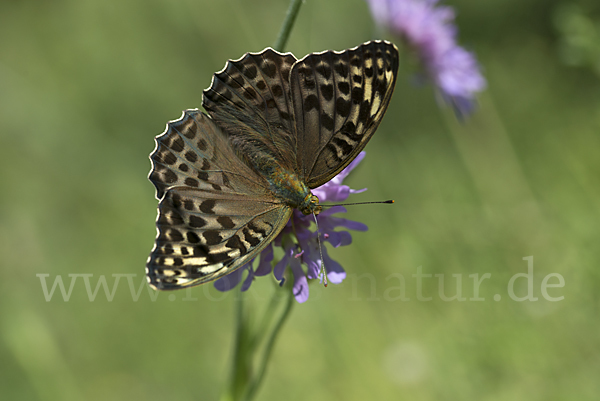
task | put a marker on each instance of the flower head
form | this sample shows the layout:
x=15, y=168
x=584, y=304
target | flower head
x=304, y=248
x=429, y=29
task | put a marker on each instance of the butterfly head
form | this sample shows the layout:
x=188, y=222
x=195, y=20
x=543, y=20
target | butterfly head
x=310, y=205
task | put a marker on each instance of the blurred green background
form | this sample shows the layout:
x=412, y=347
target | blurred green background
x=85, y=85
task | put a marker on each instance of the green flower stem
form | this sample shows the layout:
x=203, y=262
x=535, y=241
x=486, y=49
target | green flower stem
x=288, y=24
x=253, y=348
x=266, y=355
x=241, y=366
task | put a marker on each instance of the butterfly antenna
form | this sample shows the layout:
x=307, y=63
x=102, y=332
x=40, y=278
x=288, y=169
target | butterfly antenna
x=358, y=203
x=323, y=273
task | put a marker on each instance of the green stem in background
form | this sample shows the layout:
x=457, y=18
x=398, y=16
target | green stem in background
x=288, y=24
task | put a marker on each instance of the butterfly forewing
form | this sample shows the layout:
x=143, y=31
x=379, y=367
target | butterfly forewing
x=193, y=152
x=250, y=100
x=339, y=100
x=215, y=213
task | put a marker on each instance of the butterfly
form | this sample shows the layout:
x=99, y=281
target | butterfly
x=276, y=127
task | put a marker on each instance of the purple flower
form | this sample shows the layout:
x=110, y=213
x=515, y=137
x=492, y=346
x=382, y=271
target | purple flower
x=291, y=258
x=304, y=248
x=429, y=29
x=231, y=280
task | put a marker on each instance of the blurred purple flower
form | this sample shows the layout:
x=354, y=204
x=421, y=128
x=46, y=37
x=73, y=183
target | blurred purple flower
x=305, y=249
x=429, y=29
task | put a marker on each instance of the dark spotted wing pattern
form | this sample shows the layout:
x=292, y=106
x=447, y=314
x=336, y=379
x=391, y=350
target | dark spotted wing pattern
x=309, y=118
x=204, y=234
x=313, y=115
x=339, y=100
x=193, y=152
x=215, y=213
x=250, y=100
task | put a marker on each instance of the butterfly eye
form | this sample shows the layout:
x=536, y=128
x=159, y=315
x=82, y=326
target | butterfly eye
x=314, y=205
x=310, y=205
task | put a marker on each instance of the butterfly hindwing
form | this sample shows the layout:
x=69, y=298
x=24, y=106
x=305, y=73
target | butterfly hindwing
x=339, y=100
x=250, y=100
x=204, y=235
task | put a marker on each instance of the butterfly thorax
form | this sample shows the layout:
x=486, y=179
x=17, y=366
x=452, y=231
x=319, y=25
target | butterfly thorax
x=287, y=186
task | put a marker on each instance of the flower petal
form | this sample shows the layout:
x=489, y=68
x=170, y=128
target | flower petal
x=344, y=173
x=349, y=224
x=335, y=272
x=300, y=288
x=339, y=238
x=248, y=281
x=231, y=280
x=332, y=210
x=429, y=28
x=266, y=257
x=311, y=256
x=279, y=268
x=332, y=193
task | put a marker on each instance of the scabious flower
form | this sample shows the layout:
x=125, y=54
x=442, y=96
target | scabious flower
x=429, y=29
x=304, y=248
